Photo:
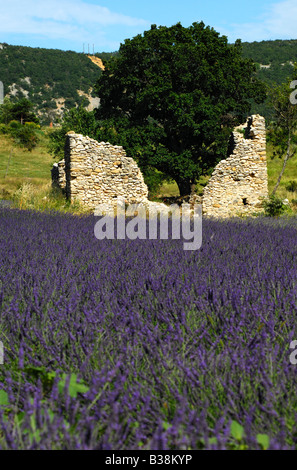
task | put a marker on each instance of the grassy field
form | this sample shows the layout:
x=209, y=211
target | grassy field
x=25, y=177
x=29, y=172
x=274, y=167
x=18, y=166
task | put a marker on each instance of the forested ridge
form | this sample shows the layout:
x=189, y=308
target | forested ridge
x=274, y=61
x=45, y=76
x=50, y=78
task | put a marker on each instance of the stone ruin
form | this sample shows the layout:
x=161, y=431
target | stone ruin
x=98, y=173
x=239, y=183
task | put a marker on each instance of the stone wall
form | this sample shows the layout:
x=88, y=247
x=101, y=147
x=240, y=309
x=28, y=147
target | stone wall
x=239, y=183
x=97, y=173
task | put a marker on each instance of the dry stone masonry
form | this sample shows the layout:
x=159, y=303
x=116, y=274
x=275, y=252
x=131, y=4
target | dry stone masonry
x=239, y=183
x=97, y=173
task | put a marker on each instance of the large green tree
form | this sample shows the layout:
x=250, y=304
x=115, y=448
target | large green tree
x=171, y=97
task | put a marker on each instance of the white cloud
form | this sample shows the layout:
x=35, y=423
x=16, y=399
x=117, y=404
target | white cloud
x=278, y=22
x=62, y=19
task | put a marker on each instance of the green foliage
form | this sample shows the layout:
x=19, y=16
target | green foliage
x=32, y=125
x=173, y=95
x=237, y=439
x=106, y=56
x=154, y=180
x=271, y=52
x=278, y=137
x=237, y=431
x=25, y=136
x=274, y=206
x=34, y=428
x=21, y=111
x=47, y=74
x=19, y=121
x=263, y=440
x=3, y=398
x=284, y=113
x=14, y=125
x=78, y=120
x=3, y=129
x=284, y=126
x=74, y=387
x=292, y=186
x=237, y=434
x=279, y=55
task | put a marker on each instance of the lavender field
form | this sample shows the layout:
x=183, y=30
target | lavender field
x=141, y=345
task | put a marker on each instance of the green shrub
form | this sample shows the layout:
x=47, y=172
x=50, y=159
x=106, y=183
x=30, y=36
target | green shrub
x=14, y=124
x=3, y=129
x=274, y=206
x=24, y=136
x=292, y=186
x=154, y=179
x=32, y=125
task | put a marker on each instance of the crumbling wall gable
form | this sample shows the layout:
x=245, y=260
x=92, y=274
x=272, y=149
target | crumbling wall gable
x=239, y=183
x=97, y=172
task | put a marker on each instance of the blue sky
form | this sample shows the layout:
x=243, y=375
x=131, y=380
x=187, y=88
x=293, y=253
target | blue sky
x=67, y=24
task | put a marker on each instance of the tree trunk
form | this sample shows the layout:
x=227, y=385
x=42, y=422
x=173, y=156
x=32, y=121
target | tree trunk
x=184, y=187
x=193, y=188
x=284, y=165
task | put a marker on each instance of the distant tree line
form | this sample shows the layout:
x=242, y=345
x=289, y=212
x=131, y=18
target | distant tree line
x=271, y=52
x=280, y=55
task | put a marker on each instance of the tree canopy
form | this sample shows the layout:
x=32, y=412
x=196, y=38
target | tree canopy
x=18, y=120
x=171, y=97
x=21, y=111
